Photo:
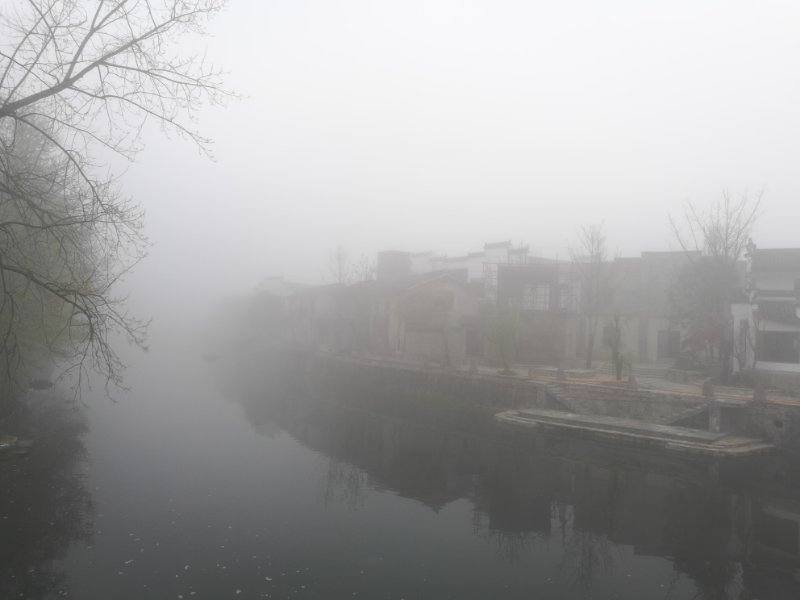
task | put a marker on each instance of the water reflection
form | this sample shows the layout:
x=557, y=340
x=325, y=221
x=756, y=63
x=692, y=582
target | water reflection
x=45, y=504
x=729, y=529
x=370, y=496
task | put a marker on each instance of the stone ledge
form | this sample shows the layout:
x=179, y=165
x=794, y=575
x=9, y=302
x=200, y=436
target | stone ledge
x=679, y=439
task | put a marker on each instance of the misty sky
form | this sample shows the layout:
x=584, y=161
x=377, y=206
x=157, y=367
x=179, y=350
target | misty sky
x=441, y=125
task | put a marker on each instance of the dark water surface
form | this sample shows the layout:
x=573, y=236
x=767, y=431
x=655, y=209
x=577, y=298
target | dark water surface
x=191, y=487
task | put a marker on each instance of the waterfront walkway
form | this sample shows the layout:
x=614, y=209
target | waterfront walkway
x=650, y=378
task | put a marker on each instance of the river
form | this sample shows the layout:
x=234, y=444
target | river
x=190, y=486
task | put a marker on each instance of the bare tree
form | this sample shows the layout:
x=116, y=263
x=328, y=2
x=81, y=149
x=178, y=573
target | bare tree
x=344, y=271
x=364, y=269
x=714, y=241
x=593, y=271
x=613, y=339
x=501, y=332
x=722, y=231
x=340, y=265
x=78, y=78
x=744, y=344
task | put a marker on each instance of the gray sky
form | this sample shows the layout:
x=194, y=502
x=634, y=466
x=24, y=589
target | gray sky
x=441, y=125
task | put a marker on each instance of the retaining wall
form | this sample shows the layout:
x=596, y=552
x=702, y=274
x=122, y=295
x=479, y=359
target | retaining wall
x=395, y=386
x=645, y=405
x=397, y=379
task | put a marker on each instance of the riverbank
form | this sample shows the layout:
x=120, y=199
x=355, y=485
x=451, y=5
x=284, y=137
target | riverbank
x=734, y=426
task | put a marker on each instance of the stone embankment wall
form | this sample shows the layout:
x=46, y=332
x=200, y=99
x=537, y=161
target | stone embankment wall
x=777, y=423
x=787, y=382
x=395, y=386
x=395, y=379
x=614, y=401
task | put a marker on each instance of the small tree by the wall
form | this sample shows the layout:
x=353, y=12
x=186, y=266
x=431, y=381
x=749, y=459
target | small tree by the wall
x=714, y=238
x=339, y=266
x=501, y=332
x=614, y=342
x=594, y=275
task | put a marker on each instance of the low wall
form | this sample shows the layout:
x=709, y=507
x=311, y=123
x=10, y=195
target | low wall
x=426, y=346
x=788, y=382
x=777, y=423
x=645, y=405
x=394, y=379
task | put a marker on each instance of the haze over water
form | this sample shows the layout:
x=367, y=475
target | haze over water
x=426, y=125
x=203, y=486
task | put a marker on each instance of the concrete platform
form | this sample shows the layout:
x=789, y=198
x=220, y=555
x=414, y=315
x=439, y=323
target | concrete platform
x=630, y=431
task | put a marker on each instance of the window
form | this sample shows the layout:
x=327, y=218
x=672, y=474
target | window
x=536, y=297
x=541, y=297
x=566, y=297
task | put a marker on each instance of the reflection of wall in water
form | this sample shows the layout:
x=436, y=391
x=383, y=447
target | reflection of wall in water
x=778, y=531
x=700, y=513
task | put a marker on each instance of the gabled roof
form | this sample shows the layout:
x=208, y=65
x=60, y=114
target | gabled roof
x=775, y=259
x=670, y=254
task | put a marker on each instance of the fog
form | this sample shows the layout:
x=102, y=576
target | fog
x=440, y=126
x=601, y=399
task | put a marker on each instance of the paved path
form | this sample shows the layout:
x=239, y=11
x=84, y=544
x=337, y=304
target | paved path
x=652, y=383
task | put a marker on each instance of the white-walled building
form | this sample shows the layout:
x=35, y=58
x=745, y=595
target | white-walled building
x=475, y=267
x=767, y=329
x=641, y=297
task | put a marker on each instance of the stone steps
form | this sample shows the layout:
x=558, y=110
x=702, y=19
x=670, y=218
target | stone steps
x=687, y=414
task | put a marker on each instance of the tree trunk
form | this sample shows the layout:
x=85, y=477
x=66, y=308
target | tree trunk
x=589, y=348
x=504, y=360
